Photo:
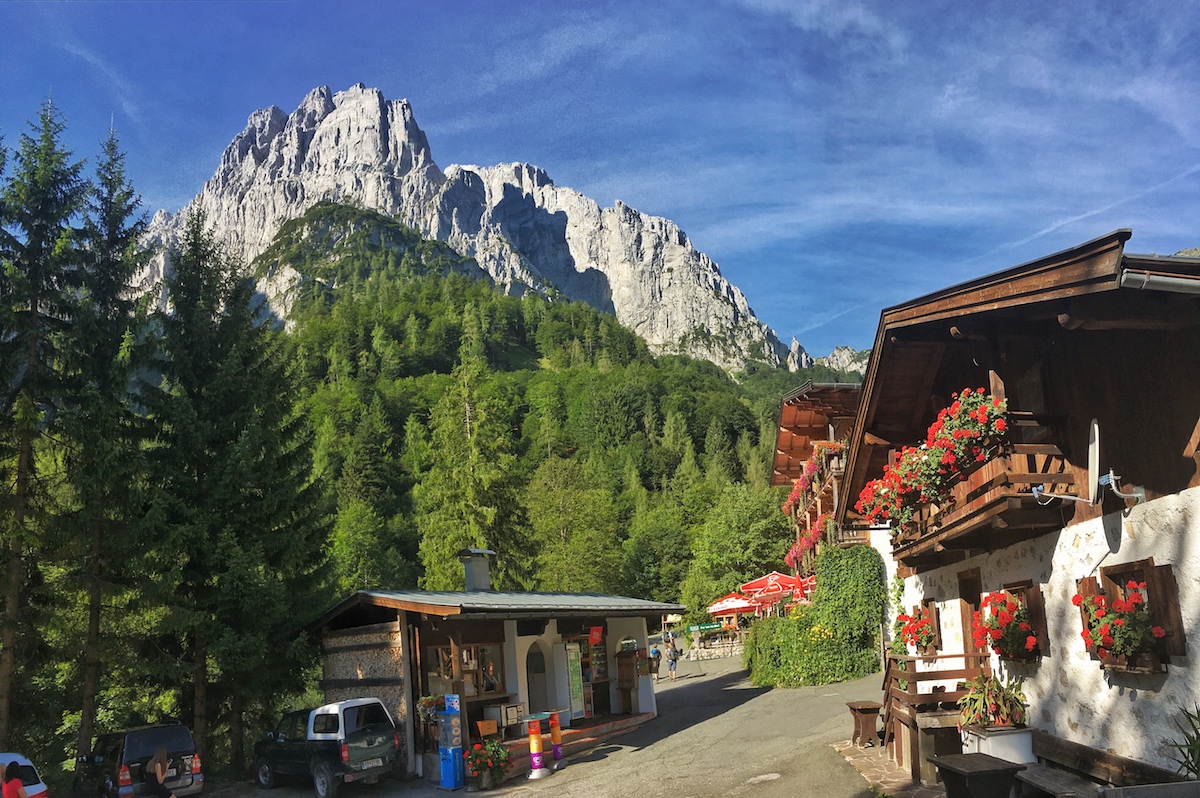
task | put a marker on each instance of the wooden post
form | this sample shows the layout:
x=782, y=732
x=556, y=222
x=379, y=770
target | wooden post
x=914, y=745
x=995, y=384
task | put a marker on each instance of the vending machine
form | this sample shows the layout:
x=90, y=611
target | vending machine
x=450, y=744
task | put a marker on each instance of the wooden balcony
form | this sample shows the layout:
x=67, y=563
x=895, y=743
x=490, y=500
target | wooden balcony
x=992, y=508
x=824, y=497
x=853, y=536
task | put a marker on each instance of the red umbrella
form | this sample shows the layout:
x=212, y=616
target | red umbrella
x=731, y=604
x=773, y=582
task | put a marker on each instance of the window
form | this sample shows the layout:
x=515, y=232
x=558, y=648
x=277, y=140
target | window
x=1030, y=595
x=1161, y=594
x=326, y=723
x=143, y=743
x=360, y=717
x=293, y=725
x=482, y=670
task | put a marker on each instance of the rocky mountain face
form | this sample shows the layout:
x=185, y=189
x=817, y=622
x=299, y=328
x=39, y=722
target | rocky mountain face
x=843, y=358
x=356, y=147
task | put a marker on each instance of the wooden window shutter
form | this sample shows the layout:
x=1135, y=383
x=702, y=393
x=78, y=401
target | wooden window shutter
x=1087, y=587
x=1030, y=594
x=1164, y=608
x=1037, y=617
x=931, y=610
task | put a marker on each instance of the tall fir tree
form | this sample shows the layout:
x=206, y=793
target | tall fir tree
x=102, y=464
x=38, y=209
x=574, y=523
x=240, y=527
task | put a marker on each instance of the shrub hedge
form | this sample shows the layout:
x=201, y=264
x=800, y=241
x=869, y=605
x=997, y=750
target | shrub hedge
x=831, y=640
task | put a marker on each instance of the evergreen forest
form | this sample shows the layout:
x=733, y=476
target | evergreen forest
x=186, y=484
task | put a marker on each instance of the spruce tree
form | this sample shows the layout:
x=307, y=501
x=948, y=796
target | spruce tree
x=574, y=523
x=38, y=207
x=240, y=527
x=102, y=433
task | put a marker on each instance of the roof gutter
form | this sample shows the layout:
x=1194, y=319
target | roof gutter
x=1149, y=281
x=550, y=614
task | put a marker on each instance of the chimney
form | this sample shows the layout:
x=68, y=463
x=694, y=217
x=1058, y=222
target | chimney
x=475, y=566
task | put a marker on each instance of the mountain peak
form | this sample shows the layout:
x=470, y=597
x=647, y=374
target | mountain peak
x=527, y=232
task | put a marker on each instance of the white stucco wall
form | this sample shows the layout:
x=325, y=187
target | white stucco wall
x=1069, y=695
x=516, y=649
x=619, y=628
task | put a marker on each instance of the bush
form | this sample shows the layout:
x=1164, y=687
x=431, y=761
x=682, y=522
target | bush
x=836, y=637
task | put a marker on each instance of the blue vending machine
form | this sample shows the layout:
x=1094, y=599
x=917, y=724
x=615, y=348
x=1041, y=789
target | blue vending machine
x=450, y=741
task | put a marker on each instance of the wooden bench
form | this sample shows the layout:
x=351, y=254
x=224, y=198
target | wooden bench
x=1071, y=770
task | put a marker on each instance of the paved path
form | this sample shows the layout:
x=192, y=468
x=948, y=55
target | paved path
x=716, y=735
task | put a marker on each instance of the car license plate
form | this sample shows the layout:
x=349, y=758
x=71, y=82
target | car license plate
x=372, y=763
x=170, y=772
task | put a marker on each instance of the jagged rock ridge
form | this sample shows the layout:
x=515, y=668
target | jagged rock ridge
x=843, y=358
x=358, y=148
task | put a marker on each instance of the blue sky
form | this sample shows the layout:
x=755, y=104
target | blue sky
x=833, y=157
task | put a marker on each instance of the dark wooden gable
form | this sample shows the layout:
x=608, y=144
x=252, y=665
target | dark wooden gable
x=1064, y=339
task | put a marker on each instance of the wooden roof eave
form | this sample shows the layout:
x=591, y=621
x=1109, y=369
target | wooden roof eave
x=1090, y=267
x=867, y=401
x=358, y=599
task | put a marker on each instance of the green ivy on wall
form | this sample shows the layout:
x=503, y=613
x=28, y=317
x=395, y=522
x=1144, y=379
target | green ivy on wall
x=836, y=637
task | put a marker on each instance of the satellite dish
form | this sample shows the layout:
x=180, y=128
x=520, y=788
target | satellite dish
x=1093, y=487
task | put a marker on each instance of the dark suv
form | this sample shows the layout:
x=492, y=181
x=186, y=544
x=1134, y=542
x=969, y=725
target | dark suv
x=114, y=768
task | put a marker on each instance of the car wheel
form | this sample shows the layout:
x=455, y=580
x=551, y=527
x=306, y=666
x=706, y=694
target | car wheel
x=325, y=782
x=265, y=774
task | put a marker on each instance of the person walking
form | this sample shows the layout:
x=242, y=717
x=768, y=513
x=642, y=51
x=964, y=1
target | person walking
x=13, y=786
x=672, y=659
x=655, y=658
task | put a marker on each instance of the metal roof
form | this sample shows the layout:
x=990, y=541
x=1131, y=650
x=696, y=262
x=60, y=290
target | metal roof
x=499, y=605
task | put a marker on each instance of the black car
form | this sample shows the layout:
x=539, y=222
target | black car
x=339, y=743
x=115, y=767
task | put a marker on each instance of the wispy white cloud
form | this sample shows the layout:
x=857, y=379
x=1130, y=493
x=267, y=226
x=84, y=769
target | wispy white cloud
x=123, y=90
x=1124, y=200
x=843, y=20
x=531, y=58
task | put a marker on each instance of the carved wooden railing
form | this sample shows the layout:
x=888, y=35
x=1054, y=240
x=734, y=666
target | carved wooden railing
x=995, y=497
x=904, y=699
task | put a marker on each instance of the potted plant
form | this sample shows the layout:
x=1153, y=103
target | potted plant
x=991, y=702
x=486, y=763
x=993, y=718
x=1120, y=630
x=1002, y=624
